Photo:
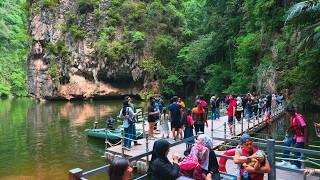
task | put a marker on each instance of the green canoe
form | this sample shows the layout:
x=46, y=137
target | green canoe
x=113, y=135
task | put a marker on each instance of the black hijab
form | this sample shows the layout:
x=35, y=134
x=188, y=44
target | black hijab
x=160, y=148
x=125, y=104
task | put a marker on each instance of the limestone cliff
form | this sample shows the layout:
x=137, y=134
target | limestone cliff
x=64, y=63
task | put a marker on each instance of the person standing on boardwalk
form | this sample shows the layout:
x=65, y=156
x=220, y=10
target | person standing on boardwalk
x=244, y=153
x=188, y=130
x=214, y=103
x=153, y=114
x=175, y=114
x=239, y=109
x=198, y=115
x=296, y=135
x=132, y=106
x=127, y=115
x=231, y=112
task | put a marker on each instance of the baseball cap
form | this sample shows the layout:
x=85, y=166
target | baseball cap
x=245, y=137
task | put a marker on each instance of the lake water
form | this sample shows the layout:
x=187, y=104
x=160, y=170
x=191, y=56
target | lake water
x=45, y=140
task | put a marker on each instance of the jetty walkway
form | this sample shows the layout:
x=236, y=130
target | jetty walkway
x=141, y=154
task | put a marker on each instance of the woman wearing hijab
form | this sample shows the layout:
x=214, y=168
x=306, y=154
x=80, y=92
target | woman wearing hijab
x=210, y=165
x=160, y=166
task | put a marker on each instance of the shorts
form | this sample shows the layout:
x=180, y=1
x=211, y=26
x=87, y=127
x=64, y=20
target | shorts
x=152, y=120
x=176, y=125
x=230, y=119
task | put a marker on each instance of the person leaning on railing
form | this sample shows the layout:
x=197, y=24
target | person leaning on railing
x=245, y=154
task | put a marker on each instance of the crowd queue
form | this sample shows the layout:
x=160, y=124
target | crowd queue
x=200, y=160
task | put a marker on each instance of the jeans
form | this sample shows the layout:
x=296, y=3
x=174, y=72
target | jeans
x=288, y=142
x=128, y=134
x=198, y=127
x=249, y=113
x=215, y=114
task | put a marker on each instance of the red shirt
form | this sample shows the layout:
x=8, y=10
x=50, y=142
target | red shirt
x=233, y=104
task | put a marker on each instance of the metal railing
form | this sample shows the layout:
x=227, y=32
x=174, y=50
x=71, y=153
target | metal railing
x=269, y=145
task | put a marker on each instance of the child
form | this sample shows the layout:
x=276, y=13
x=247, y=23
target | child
x=164, y=127
x=258, y=160
x=188, y=131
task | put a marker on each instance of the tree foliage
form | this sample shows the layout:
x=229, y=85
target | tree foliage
x=14, y=45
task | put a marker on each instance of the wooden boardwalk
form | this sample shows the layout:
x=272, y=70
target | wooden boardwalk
x=218, y=131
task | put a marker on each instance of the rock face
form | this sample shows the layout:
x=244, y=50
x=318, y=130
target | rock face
x=63, y=66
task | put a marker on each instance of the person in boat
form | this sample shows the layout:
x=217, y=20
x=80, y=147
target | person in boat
x=160, y=167
x=134, y=131
x=127, y=115
x=243, y=154
x=110, y=122
x=295, y=135
x=120, y=169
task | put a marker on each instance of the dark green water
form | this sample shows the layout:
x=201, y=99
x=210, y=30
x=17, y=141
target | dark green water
x=46, y=140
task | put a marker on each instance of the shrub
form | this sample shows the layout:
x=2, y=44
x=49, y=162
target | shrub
x=50, y=4
x=54, y=71
x=76, y=32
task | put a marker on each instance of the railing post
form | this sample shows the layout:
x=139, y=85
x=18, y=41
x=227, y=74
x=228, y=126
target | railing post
x=271, y=159
x=248, y=125
x=254, y=121
x=122, y=143
x=234, y=126
x=143, y=125
x=75, y=174
x=211, y=124
x=147, y=148
x=303, y=165
x=242, y=125
x=225, y=130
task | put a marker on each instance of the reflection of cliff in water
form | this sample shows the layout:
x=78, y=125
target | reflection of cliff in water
x=81, y=113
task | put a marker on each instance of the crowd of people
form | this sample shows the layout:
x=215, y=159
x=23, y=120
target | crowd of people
x=185, y=122
x=200, y=161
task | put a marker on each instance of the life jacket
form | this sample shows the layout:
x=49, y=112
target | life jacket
x=198, y=116
x=297, y=129
x=253, y=176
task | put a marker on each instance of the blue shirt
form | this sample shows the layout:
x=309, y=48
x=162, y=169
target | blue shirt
x=174, y=108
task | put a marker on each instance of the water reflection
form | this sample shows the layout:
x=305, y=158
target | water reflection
x=45, y=140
